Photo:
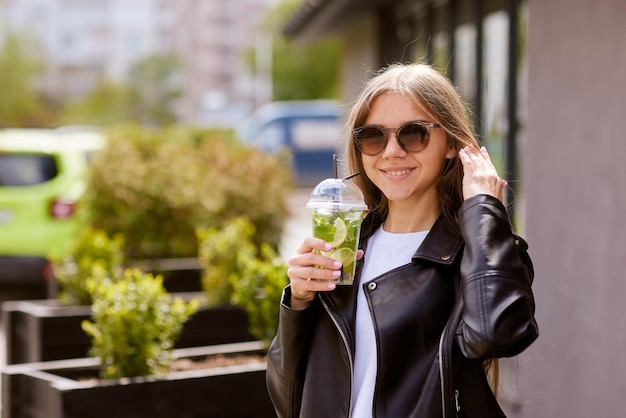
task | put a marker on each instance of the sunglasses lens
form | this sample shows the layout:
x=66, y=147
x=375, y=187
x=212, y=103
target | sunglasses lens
x=413, y=137
x=370, y=140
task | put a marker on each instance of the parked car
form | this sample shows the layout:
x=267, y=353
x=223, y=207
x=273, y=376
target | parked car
x=310, y=130
x=41, y=180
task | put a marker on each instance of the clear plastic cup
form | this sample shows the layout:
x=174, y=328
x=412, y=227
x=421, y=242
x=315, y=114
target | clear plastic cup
x=337, y=208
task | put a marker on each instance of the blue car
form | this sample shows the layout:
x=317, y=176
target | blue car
x=311, y=130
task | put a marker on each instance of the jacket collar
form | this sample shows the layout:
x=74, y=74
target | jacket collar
x=441, y=245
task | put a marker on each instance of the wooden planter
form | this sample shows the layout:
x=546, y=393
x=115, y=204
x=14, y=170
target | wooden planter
x=179, y=274
x=44, y=330
x=51, y=390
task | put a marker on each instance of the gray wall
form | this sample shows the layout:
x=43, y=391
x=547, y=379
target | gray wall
x=574, y=176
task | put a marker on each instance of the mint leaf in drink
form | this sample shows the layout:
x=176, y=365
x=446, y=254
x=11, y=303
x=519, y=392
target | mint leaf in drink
x=324, y=231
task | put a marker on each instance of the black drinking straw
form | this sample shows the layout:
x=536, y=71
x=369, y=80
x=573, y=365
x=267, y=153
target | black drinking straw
x=348, y=177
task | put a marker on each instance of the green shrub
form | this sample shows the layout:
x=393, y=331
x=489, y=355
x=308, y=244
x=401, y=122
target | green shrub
x=135, y=324
x=238, y=272
x=219, y=250
x=94, y=254
x=258, y=290
x=156, y=187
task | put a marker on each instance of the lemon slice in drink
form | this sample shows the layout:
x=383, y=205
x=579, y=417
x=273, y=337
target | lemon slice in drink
x=341, y=232
x=345, y=255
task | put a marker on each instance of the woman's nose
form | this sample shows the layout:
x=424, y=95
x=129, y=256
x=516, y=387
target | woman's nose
x=393, y=146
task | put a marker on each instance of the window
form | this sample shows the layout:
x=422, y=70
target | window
x=421, y=39
x=316, y=134
x=495, y=65
x=270, y=137
x=465, y=61
x=26, y=169
x=441, y=40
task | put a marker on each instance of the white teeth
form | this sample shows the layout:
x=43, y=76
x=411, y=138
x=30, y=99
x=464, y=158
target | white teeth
x=397, y=173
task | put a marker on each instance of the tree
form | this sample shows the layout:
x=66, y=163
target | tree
x=154, y=89
x=301, y=71
x=20, y=104
x=108, y=104
x=147, y=97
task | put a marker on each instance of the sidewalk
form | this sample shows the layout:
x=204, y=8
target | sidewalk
x=298, y=226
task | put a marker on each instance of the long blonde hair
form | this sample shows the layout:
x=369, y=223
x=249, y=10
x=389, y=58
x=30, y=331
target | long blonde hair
x=432, y=92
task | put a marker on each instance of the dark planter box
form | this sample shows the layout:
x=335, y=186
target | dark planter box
x=44, y=330
x=179, y=274
x=51, y=390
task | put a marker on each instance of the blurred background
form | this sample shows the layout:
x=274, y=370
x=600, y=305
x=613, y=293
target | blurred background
x=157, y=62
x=544, y=78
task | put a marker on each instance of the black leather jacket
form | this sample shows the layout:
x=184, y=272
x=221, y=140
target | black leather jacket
x=463, y=299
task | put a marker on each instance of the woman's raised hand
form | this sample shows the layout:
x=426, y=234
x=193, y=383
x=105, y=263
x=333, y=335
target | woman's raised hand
x=479, y=174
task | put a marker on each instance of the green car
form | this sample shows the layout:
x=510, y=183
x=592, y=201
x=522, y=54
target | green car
x=42, y=177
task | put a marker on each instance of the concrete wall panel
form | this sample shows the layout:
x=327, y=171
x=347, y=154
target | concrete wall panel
x=575, y=188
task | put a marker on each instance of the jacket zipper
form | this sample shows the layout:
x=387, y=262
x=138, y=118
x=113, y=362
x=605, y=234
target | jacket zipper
x=441, y=373
x=442, y=378
x=345, y=343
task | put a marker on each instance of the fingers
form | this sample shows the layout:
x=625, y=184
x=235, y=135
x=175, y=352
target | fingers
x=480, y=175
x=314, y=272
x=311, y=243
x=308, y=260
x=310, y=272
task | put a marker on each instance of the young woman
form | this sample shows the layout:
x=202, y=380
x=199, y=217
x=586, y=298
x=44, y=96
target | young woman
x=443, y=285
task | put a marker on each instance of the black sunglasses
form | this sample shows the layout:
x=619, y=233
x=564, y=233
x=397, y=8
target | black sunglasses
x=412, y=137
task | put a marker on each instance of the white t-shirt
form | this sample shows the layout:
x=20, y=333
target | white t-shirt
x=385, y=251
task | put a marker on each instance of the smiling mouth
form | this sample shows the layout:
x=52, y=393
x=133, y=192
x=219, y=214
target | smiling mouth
x=397, y=172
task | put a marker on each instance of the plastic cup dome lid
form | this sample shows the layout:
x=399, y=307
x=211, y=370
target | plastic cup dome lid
x=336, y=194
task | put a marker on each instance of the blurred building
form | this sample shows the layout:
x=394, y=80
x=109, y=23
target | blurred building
x=546, y=81
x=212, y=38
x=84, y=41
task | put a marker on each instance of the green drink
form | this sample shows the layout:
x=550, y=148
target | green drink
x=337, y=209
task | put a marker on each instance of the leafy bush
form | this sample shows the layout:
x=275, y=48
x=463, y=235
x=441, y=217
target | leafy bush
x=258, y=290
x=218, y=253
x=94, y=254
x=157, y=186
x=135, y=324
x=238, y=272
